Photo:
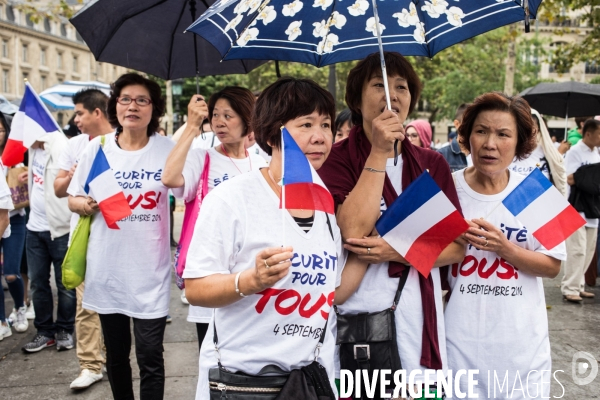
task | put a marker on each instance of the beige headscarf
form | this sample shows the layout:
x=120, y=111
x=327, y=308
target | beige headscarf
x=554, y=158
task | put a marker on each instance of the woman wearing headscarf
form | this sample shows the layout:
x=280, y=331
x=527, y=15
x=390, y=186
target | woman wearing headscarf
x=419, y=133
x=496, y=318
x=544, y=156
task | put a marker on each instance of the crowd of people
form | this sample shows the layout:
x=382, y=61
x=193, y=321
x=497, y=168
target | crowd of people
x=283, y=301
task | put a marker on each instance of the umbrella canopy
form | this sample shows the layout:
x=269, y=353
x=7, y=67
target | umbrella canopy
x=322, y=32
x=149, y=36
x=60, y=97
x=564, y=99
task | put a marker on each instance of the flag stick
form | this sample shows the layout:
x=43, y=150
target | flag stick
x=493, y=209
x=283, y=209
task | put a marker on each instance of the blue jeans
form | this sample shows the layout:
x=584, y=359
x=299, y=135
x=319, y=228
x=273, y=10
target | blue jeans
x=42, y=252
x=12, y=248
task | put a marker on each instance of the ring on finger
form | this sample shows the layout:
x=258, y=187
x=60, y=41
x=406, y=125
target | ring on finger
x=368, y=251
x=486, y=243
x=267, y=266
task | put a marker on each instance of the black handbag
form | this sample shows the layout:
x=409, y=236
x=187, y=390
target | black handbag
x=224, y=384
x=368, y=340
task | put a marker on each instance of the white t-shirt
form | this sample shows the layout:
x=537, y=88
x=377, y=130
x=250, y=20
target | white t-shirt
x=206, y=140
x=129, y=269
x=376, y=293
x=256, y=149
x=526, y=165
x=5, y=201
x=222, y=168
x=580, y=154
x=37, y=202
x=496, y=318
x=69, y=157
x=282, y=325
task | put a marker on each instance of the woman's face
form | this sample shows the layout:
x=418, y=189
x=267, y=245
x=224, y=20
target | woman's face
x=313, y=135
x=134, y=116
x=493, y=141
x=2, y=135
x=226, y=123
x=343, y=131
x=413, y=136
x=373, y=101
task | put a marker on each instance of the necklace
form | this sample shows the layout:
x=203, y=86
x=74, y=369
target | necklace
x=234, y=164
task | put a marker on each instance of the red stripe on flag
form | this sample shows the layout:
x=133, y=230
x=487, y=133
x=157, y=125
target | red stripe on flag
x=308, y=196
x=559, y=228
x=14, y=152
x=428, y=247
x=114, y=209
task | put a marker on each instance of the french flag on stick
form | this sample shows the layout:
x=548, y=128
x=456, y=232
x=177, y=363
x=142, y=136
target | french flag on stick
x=421, y=223
x=302, y=189
x=544, y=211
x=31, y=122
x=102, y=186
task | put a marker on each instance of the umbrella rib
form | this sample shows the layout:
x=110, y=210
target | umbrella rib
x=328, y=25
x=420, y=14
x=173, y=38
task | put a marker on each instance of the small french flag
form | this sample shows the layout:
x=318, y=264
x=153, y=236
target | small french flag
x=543, y=210
x=102, y=186
x=421, y=223
x=31, y=122
x=304, y=189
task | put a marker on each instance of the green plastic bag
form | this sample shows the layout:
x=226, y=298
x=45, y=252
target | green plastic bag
x=73, y=266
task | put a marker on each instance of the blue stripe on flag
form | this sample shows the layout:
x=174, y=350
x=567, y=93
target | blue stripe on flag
x=532, y=187
x=99, y=166
x=296, y=168
x=418, y=193
x=35, y=110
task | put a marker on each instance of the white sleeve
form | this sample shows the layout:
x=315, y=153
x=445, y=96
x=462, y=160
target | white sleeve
x=217, y=238
x=192, y=170
x=572, y=162
x=559, y=252
x=342, y=254
x=76, y=187
x=66, y=160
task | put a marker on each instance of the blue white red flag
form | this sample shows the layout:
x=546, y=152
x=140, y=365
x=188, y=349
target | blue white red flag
x=543, y=210
x=102, y=186
x=31, y=122
x=421, y=223
x=304, y=189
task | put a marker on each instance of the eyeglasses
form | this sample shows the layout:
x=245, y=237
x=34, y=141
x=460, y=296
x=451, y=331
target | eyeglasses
x=140, y=101
x=412, y=135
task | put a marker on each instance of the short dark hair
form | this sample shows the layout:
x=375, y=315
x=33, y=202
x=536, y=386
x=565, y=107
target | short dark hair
x=396, y=64
x=590, y=126
x=158, y=102
x=344, y=116
x=287, y=99
x=581, y=120
x=91, y=99
x=497, y=101
x=460, y=111
x=240, y=99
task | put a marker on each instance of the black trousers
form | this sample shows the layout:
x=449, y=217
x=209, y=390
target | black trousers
x=201, y=329
x=149, y=334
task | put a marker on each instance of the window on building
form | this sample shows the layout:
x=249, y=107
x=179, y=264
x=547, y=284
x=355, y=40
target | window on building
x=47, y=25
x=44, y=82
x=43, y=56
x=592, y=67
x=28, y=21
x=25, y=53
x=10, y=13
x=25, y=78
x=63, y=30
x=5, y=80
x=1, y=11
x=59, y=60
x=75, y=64
x=78, y=37
x=5, y=48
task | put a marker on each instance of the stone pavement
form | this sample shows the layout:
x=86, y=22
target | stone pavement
x=47, y=374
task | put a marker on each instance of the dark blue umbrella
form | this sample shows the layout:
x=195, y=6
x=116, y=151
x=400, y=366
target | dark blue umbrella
x=322, y=32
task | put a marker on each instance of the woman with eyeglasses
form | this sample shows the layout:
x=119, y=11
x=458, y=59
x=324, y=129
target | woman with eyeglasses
x=128, y=272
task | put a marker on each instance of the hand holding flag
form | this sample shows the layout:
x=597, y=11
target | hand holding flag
x=31, y=122
x=104, y=188
x=421, y=223
x=543, y=209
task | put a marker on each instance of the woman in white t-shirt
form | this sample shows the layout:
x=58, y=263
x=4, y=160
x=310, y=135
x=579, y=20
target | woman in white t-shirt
x=496, y=318
x=128, y=272
x=271, y=303
x=229, y=112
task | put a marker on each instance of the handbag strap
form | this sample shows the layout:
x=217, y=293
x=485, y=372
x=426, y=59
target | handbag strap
x=401, y=284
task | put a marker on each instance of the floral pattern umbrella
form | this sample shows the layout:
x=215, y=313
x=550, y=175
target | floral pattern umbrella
x=322, y=32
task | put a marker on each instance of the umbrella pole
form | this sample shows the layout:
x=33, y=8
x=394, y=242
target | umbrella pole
x=567, y=117
x=193, y=11
x=384, y=72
